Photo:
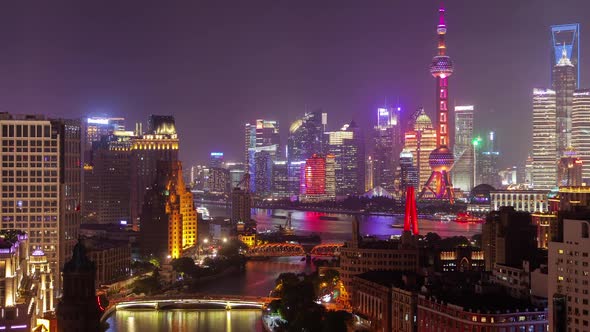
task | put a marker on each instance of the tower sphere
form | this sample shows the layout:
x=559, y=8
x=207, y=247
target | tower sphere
x=441, y=159
x=441, y=66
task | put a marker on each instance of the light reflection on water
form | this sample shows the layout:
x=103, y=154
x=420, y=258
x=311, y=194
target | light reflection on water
x=185, y=320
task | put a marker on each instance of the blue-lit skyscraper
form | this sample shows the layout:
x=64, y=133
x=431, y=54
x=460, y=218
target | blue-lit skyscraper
x=567, y=35
x=387, y=139
x=216, y=160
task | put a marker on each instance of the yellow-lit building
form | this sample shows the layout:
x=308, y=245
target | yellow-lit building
x=421, y=141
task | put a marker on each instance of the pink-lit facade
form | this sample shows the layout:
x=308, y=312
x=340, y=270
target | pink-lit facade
x=313, y=179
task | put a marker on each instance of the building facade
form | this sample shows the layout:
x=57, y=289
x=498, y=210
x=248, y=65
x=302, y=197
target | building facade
x=521, y=200
x=581, y=130
x=544, y=140
x=347, y=146
x=306, y=136
x=463, y=149
x=387, y=145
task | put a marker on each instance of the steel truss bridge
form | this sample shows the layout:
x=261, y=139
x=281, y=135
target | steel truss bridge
x=164, y=302
x=293, y=249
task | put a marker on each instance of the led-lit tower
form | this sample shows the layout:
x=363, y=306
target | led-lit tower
x=441, y=159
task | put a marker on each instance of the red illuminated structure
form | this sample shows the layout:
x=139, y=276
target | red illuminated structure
x=441, y=159
x=411, y=217
x=314, y=177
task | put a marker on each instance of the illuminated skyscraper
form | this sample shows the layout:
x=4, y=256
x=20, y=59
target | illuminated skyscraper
x=581, y=130
x=97, y=127
x=169, y=217
x=347, y=146
x=544, y=140
x=216, y=160
x=487, y=163
x=260, y=134
x=280, y=179
x=262, y=148
x=387, y=146
x=330, y=176
x=463, y=149
x=563, y=84
x=420, y=142
x=408, y=171
x=306, y=136
x=369, y=177
x=441, y=159
x=314, y=176
x=160, y=143
x=569, y=170
x=567, y=35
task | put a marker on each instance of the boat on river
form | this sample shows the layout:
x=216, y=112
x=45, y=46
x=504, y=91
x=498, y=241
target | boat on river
x=465, y=217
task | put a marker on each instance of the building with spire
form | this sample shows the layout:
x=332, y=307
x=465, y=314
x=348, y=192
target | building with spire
x=441, y=159
x=564, y=84
x=566, y=36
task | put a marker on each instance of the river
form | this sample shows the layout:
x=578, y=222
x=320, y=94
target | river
x=259, y=276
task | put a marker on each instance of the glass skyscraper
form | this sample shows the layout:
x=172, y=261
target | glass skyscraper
x=568, y=36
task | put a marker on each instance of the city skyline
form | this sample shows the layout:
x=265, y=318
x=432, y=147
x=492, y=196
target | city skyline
x=236, y=69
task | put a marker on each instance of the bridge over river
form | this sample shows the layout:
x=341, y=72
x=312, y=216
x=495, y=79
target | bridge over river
x=294, y=249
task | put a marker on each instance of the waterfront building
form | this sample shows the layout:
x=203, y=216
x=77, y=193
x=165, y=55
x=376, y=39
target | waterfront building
x=408, y=173
x=420, y=142
x=260, y=168
x=569, y=277
x=112, y=259
x=581, y=130
x=295, y=170
x=160, y=143
x=521, y=200
x=78, y=308
x=107, y=186
x=314, y=176
x=387, y=144
x=259, y=134
x=566, y=36
x=169, y=214
x=463, y=148
x=441, y=160
x=347, y=146
x=330, y=176
x=306, y=136
x=280, y=179
x=508, y=238
x=544, y=140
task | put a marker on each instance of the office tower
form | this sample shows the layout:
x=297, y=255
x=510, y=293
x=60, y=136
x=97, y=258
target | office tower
x=487, y=163
x=463, y=149
x=218, y=181
x=236, y=173
x=508, y=238
x=160, y=143
x=306, y=136
x=386, y=148
x=408, y=171
x=78, y=309
x=544, y=140
x=280, y=179
x=216, y=160
x=261, y=133
x=330, y=176
x=569, y=170
x=169, y=217
x=438, y=185
x=295, y=169
x=261, y=159
x=581, y=129
x=566, y=36
x=564, y=85
x=314, y=176
x=369, y=176
x=347, y=146
x=569, y=277
x=97, y=127
x=41, y=183
x=107, y=181
x=420, y=142
x=241, y=205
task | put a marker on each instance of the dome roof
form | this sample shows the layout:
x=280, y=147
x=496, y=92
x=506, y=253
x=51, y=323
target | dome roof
x=422, y=121
x=481, y=194
x=441, y=158
x=441, y=66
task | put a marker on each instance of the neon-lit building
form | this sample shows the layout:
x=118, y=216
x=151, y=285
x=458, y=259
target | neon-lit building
x=463, y=148
x=314, y=176
x=408, y=171
x=420, y=142
x=564, y=84
x=387, y=139
x=306, y=136
x=544, y=140
x=261, y=133
x=581, y=130
x=569, y=170
x=568, y=36
x=441, y=159
x=347, y=146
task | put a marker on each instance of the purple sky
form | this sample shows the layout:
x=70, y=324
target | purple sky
x=217, y=64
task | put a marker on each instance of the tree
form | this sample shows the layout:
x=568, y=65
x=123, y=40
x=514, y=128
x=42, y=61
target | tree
x=184, y=266
x=432, y=238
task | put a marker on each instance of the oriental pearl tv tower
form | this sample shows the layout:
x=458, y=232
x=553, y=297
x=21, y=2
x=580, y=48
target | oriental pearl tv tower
x=441, y=159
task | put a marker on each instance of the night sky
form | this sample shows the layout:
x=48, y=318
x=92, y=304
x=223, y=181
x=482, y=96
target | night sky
x=215, y=65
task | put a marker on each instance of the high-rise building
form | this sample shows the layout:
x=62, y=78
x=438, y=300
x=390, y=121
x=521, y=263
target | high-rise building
x=420, y=142
x=236, y=173
x=568, y=292
x=569, y=170
x=280, y=179
x=347, y=146
x=441, y=159
x=387, y=139
x=169, y=217
x=564, y=84
x=314, y=176
x=259, y=134
x=97, y=127
x=160, y=143
x=41, y=187
x=566, y=36
x=241, y=205
x=369, y=176
x=487, y=163
x=544, y=139
x=408, y=171
x=107, y=181
x=261, y=160
x=463, y=149
x=581, y=130
x=294, y=172
x=216, y=160
x=306, y=136
x=218, y=181
x=330, y=176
